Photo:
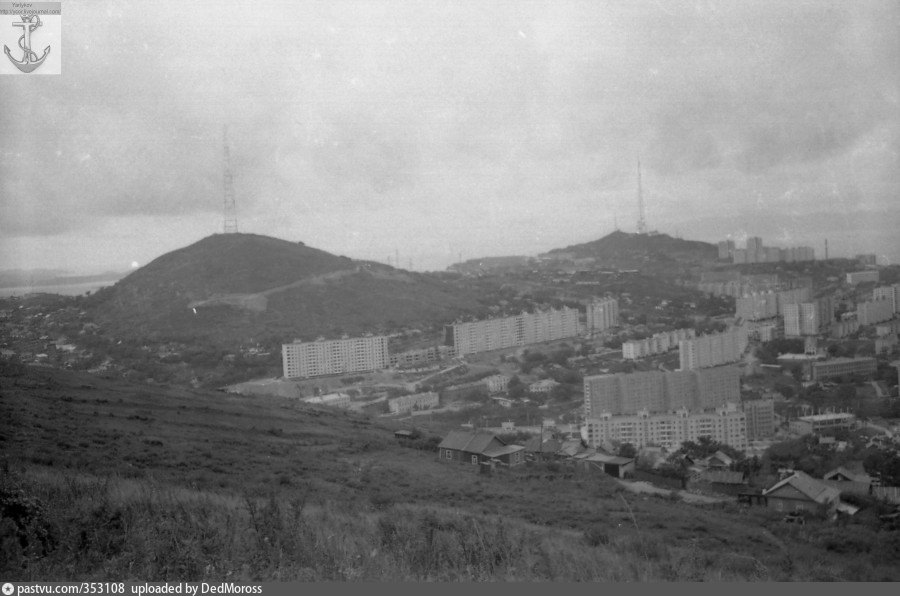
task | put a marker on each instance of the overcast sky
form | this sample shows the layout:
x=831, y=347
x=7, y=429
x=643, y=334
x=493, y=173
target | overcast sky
x=438, y=128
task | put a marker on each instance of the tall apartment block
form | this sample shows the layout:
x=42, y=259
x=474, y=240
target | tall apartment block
x=336, y=356
x=726, y=250
x=867, y=260
x=727, y=424
x=870, y=313
x=891, y=293
x=760, y=418
x=808, y=318
x=659, y=343
x=713, y=349
x=793, y=296
x=757, y=306
x=508, y=332
x=602, y=314
x=657, y=391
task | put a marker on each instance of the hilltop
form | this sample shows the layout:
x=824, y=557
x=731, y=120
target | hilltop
x=247, y=287
x=624, y=250
x=107, y=480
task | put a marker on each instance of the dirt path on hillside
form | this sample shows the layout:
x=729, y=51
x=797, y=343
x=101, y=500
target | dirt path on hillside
x=640, y=486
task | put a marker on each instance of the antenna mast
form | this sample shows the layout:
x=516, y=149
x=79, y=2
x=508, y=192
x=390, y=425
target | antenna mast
x=229, y=223
x=641, y=224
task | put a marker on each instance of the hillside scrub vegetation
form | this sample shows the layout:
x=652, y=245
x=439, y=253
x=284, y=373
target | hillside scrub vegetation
x=105, y=480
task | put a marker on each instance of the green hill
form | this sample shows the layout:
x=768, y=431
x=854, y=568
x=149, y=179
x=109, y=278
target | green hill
x=231, y=288
x=104, y=481
x=624, y=250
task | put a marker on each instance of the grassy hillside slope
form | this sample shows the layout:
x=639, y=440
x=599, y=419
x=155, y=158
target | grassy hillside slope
x=103, y=480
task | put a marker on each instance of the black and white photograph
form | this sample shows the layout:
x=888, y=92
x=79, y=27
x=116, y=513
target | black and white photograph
x=445, y=291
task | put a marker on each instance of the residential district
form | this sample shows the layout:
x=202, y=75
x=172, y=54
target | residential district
x=766, y=356
x=701, y=407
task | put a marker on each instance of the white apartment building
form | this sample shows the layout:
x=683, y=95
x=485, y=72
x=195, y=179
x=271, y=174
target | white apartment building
x=808, y=318
x=794, y=296
x=658, y=392
x=727, y=424
x=521, y=330
x=417, y=401
x=859, y=277
x=659, y=343
x=602, y=313
x=714, y=349
x=757, y=306
x=870, y=313
x=302, y=360
x=891, y=293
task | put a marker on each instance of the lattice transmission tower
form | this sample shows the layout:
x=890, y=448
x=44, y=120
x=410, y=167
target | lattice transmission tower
x=641, y=223
x=229, y=222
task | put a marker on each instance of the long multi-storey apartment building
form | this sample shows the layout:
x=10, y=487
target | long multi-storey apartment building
x=602, y=314
x=837, y=367
x=659, y=343
x=870, y=313
x=335, y=356
x=808, y=318
x=727, y=424
x=859, y=277
x=755, y=252
x=657, y=391
x=507, y=332
x=713, y=349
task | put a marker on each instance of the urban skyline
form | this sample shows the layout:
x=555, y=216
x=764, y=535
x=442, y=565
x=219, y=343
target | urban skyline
x=433, y=131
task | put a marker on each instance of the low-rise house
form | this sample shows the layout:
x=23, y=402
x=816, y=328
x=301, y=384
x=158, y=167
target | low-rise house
x=802, y=492
x=337, y=400
x=416, y=401
x=719, y=461
x=496, y=383
x=475, y=447
x=723, y=481
x=543, y=386
x=542, y=449
x=849, y=478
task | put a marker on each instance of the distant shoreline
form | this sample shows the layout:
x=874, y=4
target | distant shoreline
x=76, y=289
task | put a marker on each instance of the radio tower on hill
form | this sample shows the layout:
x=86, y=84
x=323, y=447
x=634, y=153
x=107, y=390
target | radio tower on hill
x=229, y=225
x=641, y=223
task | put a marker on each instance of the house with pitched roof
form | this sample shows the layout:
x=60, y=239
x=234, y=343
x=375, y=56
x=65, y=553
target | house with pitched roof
x=849, y=478
x=719, y=461
x=478, y=446
x=802, y=492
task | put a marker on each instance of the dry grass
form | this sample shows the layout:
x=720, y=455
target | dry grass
x=117, y=482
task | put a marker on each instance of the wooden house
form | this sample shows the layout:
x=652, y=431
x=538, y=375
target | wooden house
x=477, y=446
x=802, y=492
